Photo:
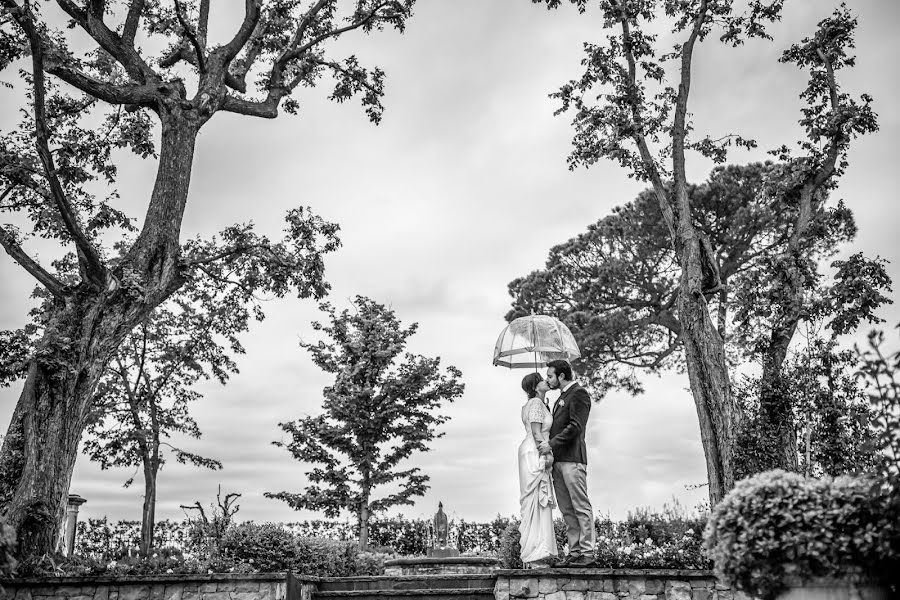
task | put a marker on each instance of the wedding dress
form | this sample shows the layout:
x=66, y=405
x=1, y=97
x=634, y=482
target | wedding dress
x=536, y=500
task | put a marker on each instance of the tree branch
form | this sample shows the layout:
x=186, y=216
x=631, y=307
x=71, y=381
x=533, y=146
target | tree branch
x=299, y=51
x=637, y=135
x=14, y=250
x=679, y=122
x=191, y=36
x=251, y=16
x=88, y=257
x=135, y=9
x=125, y=54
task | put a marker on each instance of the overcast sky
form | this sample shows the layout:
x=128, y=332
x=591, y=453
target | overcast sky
x=461, y=189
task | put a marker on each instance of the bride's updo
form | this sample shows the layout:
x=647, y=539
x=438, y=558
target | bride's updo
x=530, y=383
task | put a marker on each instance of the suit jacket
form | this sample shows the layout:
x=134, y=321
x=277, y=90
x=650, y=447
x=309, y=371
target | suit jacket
x=570, y=415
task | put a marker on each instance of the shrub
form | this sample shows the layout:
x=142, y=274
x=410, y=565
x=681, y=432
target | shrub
x=270, y=547
x=777, y=524
x=510, y=549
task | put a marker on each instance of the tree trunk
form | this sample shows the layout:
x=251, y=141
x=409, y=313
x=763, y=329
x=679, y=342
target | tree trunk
x=364, y=525
x=708, y=374
x=148, y=515
x=81, y=335
x=39, y=453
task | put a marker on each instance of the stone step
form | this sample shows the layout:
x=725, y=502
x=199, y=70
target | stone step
x=486, y=593
x=408, y=582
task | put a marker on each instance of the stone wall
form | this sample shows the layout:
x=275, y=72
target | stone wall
x=610, y=584
x=255, y=586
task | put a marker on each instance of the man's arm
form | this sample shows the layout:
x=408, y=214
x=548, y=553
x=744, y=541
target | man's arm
x=580, y=408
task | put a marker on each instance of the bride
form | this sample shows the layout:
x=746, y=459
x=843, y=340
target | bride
x=536, y=500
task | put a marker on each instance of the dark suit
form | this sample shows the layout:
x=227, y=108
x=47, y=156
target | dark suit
x=570, y=416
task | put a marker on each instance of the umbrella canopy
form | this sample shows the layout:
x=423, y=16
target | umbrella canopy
x=533, y=341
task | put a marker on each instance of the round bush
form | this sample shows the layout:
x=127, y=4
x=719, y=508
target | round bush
x=778, y=525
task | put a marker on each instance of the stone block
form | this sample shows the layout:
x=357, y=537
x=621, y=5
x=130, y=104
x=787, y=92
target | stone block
x=245, y=595
x=596, y=585
x=575, y=585
x=601, y=596
x=134, y=592
x=523, y=588
x=157, y=591
x=214, y=595
x=173, y=591
x=678, y=590
x=23, y=594
x=654, y=586
x=280, y=591
x=101, y=592
x=501, y=593
x=648, y=597
x=701, y=594
x=114, y=593
x=609, y=585
x=723, y=595
x=636, y=588
x=190, y=593
x=547, y=585
x=575, y=595
x=207, y=588
x=560, y=595
x=739, y=595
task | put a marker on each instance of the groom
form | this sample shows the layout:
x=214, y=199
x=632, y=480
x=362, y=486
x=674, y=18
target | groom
x=570, y=416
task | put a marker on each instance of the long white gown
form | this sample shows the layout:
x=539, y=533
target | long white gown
x=536, y=499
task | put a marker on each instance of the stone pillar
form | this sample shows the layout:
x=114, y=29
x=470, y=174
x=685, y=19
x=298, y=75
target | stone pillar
x=71, y=521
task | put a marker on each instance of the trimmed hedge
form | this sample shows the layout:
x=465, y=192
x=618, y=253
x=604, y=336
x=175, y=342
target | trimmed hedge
x=777, y=525
x=269, y=547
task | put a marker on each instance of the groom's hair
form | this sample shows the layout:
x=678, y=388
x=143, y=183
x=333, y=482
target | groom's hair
x=530, y=383
x=562, y=367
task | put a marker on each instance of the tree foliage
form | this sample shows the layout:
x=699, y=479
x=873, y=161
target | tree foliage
x=383, y=407
x=878, y=370
x=615, y=285
x=834, y=420
x=92, y=84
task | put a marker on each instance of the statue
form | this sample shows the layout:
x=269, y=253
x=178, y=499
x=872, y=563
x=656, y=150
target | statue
x=440, y=527
x=439, y=547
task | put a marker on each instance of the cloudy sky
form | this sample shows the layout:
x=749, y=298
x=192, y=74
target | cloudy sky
x=462, y=188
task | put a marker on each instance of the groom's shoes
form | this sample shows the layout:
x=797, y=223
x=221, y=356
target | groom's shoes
x=579, y=561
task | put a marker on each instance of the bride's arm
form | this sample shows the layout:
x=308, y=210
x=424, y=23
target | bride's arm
x=537, y=434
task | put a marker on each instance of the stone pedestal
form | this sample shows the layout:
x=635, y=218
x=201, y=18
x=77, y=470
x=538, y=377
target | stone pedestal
x=72, y=521
x=442, y=552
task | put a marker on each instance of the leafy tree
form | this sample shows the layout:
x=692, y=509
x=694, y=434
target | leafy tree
x=638, y=110
x=380, y=410
x=832, y=415
x=92, y=90
x=146, y=394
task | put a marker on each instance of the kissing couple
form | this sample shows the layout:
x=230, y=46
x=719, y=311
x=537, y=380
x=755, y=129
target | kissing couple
x=553, y=469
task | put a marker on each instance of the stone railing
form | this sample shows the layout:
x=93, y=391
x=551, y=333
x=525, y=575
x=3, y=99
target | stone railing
x=219, y=586
x=610, y=584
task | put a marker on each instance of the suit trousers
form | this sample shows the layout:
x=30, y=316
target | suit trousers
x=570, y=484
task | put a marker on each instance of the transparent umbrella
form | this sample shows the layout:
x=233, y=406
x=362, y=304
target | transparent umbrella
x=533, y=341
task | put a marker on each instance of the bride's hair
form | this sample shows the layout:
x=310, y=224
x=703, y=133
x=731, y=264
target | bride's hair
x=530, y=383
